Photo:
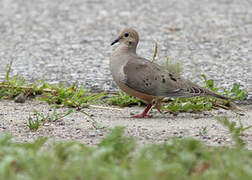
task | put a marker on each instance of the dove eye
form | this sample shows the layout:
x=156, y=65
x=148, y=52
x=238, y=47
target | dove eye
x=126, y=34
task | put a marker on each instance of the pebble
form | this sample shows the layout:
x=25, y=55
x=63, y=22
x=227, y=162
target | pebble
x=101, y=134
x=206, y=113
x=222, y=111
x=20, y=98
x=91, y=134
x=147, y=137
x=61, y=123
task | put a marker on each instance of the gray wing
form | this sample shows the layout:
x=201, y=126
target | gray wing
x=152, y=79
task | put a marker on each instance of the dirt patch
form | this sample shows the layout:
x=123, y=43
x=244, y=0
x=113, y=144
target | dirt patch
x=77, y=126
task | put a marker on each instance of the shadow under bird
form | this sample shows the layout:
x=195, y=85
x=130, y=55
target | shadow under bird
x=146, y=80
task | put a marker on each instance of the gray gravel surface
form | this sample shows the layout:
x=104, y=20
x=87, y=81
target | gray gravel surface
x=69, y=40
x=160, y=128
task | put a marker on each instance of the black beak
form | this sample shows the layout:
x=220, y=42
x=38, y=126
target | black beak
x=115, y=41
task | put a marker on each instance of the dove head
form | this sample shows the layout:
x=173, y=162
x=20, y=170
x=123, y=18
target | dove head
x=128, y=37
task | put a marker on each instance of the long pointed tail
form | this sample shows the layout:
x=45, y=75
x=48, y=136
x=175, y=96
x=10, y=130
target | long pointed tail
x=212, y=94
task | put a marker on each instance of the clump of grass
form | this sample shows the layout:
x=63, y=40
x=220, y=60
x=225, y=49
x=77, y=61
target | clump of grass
x=118, y=157
x=59, y=94
x=69, y=96
x=120, y=146
x=13, y=86
x=209, y=83
x=34, y=123
x=235, y=93
x=122, y=99
x=195, y=104
x=234, y=130
x=203, y=131
x=38, y=118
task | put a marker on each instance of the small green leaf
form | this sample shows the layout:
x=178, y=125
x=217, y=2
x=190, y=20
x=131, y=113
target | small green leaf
x=187, y=106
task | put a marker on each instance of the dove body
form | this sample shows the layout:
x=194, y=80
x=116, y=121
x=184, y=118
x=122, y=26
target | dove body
x=145, y=80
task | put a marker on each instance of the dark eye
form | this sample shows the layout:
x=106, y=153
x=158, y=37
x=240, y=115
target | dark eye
x=126, y=34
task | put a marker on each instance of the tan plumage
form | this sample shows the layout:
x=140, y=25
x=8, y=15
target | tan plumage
x=146, y=80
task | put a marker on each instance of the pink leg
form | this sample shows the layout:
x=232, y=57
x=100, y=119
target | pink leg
x=144, y=113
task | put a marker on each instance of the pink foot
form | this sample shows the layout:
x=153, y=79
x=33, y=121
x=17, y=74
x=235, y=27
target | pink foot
x=142, y=116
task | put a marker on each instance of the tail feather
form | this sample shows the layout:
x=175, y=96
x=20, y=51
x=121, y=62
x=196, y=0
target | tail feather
x=212, y=94
x=200, y=91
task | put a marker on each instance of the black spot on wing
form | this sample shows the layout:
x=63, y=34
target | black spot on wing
x=172, y=78
x=146, y=82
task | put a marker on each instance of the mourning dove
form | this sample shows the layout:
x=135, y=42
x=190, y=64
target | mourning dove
x=146, y=80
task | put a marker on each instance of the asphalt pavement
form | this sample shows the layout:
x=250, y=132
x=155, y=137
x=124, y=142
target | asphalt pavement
x=69, y=40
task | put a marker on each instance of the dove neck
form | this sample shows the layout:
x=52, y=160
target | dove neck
x=125, y=47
